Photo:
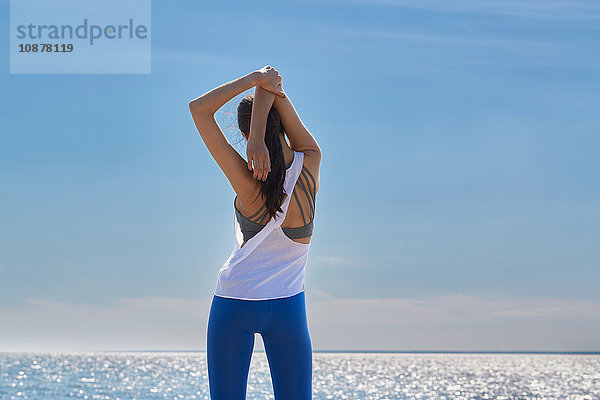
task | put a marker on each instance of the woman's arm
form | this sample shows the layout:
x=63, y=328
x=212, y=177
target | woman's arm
x=256, y=149
x=210, y=102
x=300, y=138
x=203, y=109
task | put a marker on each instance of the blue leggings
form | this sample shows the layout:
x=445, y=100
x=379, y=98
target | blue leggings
x=283, y=326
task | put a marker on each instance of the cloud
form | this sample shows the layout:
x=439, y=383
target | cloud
x=335, y=261
x=533, y=9
x=193, y=57
x=432, y=38
x=455, y=322
x=416, y=49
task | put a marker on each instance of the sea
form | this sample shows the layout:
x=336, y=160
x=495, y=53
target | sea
x=336, y=375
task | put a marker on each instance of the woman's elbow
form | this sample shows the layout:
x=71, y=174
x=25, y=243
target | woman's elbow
x=196, y=107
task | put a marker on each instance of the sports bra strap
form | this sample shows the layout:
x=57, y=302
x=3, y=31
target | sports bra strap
x=260, y=217
x=306, y=188
x=310, y=195
x=243, y=249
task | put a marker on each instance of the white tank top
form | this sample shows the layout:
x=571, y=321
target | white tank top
x=270, y=265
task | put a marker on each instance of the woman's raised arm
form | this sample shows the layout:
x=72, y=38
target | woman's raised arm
x=210, y=102
x=257, y=153
x=203, y=109
x=300, y=138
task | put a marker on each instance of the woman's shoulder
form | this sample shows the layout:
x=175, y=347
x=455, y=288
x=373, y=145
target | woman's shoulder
x=312, y=155
x=312, y=164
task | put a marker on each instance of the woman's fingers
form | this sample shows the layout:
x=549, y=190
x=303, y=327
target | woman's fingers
x=258, y=159
x=256, y=169
x=259, y=168
x=267, y=168
x=272, y=81
x=262, y=170
x=275, y=91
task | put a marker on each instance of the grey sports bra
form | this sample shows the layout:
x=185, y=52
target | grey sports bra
x=251, y=225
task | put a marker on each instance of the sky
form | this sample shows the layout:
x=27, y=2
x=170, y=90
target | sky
x=458, y=204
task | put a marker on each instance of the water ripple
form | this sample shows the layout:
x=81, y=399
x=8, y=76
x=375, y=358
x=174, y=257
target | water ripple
x=361, y=376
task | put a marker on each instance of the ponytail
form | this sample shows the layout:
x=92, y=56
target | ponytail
x=272, y=187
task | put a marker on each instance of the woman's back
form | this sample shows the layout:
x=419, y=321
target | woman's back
x=298, y=224
x=270, y=264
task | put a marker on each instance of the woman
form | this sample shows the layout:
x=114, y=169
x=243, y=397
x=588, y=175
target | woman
x=260, y=288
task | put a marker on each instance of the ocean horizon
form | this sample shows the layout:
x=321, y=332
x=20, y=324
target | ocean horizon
x=384, y=351
x=566, y=352
x=354, y=374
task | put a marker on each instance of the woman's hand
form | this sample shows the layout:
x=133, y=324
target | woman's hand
x=257, y=153
x=269, y=79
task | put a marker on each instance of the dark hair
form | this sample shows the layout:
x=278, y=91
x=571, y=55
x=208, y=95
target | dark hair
x=272, y=187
